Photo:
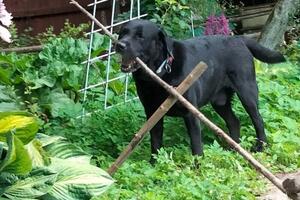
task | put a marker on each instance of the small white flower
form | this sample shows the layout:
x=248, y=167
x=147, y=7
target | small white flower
x=5, y=19
x=5, y=34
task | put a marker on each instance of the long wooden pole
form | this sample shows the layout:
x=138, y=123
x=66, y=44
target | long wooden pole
x=157, y=115
x=257, y=165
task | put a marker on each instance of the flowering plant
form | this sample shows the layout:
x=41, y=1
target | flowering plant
x=5, y=19
x=217, y=25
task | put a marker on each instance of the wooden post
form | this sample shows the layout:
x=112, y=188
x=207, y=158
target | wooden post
x=258, y=166
x=159, y=113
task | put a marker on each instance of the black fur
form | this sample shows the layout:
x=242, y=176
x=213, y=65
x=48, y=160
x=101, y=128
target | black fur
x=230, y=70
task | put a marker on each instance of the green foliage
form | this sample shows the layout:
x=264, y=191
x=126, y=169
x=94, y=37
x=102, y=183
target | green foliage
x=26, y=38
x=49, y=83
x=104, y=134
x=174, y=16
x=293, y=52
x=45, y=168
x=61, y=64
x=69, y=30
x=9, y=101
x=16, y=129
x=176, y=177
x=17, y=159
x=39, y=79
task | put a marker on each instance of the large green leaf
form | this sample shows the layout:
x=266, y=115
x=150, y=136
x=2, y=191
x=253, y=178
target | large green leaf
x=43, y=81
x=17, y=159
x=78, y=180
x=65, y=150
x=58, y=103
x=37, y=154
x=24, y=126
x=6, y=180
x=32, y=187
x=5, y=76
x=8, y=106
x=7, y=102
x=59, y=147
x=47, y=140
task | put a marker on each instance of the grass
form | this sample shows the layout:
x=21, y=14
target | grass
x=222, y=174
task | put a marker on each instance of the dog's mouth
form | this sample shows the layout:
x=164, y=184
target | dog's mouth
x=129, y=66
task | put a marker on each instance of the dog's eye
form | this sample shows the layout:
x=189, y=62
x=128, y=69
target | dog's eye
x=123, y=32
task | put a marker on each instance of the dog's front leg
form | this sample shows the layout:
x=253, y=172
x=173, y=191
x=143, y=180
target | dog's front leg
x=156, y=138
x=194, y=131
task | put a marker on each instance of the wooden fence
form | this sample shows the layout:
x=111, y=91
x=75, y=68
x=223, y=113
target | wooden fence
x=40, y=14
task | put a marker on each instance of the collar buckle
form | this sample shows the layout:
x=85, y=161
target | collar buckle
x=166, y=64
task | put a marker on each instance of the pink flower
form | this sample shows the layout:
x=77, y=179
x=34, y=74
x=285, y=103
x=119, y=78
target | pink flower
x=217, y=25
x=5, y=19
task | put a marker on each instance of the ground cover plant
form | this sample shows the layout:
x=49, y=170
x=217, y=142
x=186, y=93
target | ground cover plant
x=223, y=173
x=37, y=166
x=47, y=85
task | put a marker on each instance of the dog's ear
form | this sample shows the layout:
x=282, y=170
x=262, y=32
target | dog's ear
x=165, y=40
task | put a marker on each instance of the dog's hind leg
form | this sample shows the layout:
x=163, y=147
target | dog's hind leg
x=232, y=122
x=193, y=127
x=247, y=91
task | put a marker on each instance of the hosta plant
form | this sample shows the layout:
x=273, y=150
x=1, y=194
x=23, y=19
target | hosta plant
x=37, y=166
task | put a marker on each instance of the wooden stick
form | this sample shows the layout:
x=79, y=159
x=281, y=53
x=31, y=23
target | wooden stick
x=159, y=113
x=23, y=49
x=258, y=166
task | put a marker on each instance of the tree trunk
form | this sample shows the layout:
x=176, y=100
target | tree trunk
x=277, y=23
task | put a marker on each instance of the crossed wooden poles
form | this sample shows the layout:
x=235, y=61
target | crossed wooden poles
x=176, y=94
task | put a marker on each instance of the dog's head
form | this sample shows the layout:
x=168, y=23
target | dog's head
x=143, y=39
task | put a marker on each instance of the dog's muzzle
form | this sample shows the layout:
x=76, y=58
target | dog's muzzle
x=132, y=66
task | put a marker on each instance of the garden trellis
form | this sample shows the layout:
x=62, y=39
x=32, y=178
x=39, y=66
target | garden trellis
x=134, y=13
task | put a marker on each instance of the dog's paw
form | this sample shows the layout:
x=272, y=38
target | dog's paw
x=196, y=162
x=152, y=161
x=259, y=147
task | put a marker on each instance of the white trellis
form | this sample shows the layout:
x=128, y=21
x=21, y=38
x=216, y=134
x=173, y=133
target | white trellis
x=134, y=7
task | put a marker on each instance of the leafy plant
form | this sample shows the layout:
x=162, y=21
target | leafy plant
x=175, y=176
x=44, y=167
x=49, y=83
x=293, y=52
x=174, y=16
x=26, y=38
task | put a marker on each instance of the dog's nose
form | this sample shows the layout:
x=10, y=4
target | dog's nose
x=121, y=47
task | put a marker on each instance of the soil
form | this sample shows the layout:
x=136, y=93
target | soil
x=273, y=193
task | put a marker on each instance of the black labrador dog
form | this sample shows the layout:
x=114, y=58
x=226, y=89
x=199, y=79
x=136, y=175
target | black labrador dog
x=230, y=70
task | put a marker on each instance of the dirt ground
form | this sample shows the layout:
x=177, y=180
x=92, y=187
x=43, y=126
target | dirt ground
x=273, y=192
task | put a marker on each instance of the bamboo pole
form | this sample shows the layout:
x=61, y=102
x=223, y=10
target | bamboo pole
x=257, y=165
x=157, y=115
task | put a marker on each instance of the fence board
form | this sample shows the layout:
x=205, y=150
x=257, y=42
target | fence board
x=40, y=14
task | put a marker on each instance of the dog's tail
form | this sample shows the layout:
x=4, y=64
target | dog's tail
x=262, y=53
